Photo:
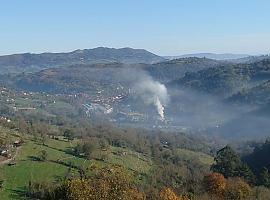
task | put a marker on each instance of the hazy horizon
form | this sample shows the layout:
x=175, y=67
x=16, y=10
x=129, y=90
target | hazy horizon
x=176, y=55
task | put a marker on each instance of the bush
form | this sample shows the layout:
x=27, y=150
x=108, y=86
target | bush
x=237, y=189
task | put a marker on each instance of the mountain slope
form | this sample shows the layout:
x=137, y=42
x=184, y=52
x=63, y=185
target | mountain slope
x=174, y=69
x=225, y=56
x=35, y=62
x=86, y=77
x=258, y=95
x=227, y=79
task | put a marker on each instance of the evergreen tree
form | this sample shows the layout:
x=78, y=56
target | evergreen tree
x=228, y=163
x=264, y=177
x=245, y=172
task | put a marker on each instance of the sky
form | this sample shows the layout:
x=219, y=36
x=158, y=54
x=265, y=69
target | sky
x=164, y=27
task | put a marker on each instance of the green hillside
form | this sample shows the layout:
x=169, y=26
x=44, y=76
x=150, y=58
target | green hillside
x=59, y=163
x=28, y=167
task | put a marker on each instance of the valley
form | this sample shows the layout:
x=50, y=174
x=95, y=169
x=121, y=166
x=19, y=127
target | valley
x=135, y=100
x=162, y=122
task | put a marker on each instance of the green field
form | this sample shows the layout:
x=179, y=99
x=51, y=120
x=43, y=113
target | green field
x=27, y=168
x=200, y=157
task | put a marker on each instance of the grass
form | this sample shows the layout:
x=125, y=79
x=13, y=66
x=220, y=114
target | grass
x=17, y=177
x=27, y=168
x=62, y=108
x=202, y=158
x=131, y=160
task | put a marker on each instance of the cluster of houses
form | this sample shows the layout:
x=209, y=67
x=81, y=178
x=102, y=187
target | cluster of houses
x=6, y=149
x=9, y=97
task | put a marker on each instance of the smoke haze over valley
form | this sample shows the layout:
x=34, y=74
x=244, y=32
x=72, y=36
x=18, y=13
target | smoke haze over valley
x=191, y=94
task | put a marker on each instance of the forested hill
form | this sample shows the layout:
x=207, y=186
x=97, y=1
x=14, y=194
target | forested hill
x=175, y=69
x=28, y=62
x=87, y=77
x=226, y=79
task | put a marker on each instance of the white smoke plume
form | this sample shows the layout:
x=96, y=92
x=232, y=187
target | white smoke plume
x=153, y=93
x=160, y=109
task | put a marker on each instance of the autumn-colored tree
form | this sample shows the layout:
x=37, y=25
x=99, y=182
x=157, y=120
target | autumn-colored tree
x=261, y=193
x=106, y=184
x=237, y=189
x=168, y=194
x=187, y=196
x=79, y=189
x=114, y=183
x=215, y=184
x=135, y=194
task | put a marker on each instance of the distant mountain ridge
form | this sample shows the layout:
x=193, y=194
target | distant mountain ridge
x=225, y=56
x=28, y=62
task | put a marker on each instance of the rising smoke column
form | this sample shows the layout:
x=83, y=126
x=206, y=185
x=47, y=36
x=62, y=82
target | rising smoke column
x=152, y=93
x=160, y=109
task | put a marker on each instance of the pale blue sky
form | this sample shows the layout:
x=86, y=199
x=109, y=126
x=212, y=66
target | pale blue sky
x=165, y=27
